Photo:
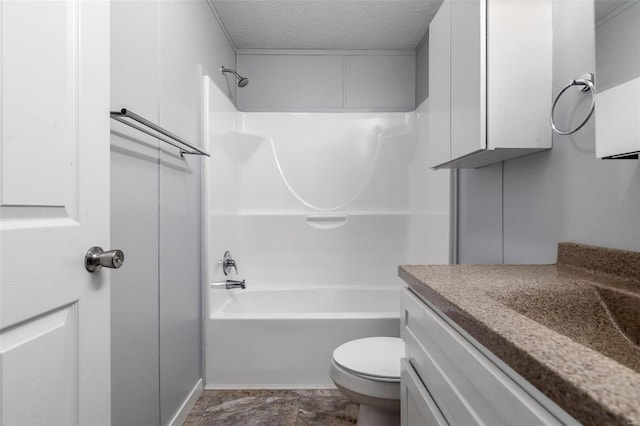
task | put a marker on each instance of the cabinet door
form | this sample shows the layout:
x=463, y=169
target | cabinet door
x=468, y=388
x=439, y=116
x=468, y=77
x=418, y=408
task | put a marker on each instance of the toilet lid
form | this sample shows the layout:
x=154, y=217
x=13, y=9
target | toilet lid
x=372, y=356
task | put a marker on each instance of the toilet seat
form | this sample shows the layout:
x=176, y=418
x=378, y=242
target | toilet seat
x=371, y=358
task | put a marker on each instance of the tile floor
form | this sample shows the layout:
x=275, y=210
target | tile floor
x=326, y=407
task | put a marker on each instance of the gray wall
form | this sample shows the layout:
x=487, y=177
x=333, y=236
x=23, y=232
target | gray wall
x=564, y=194
x=191, y=44
x=135, y=390
x=159, y=50
x=327, y=81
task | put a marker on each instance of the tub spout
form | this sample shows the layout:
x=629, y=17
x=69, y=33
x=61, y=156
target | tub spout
x=227, y=284
x=235, y=284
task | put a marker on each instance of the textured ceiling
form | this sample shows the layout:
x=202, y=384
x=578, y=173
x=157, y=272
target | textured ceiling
x=326, y=24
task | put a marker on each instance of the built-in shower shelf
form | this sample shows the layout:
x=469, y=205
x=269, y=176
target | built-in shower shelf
x=320, y=214
x=326, y=221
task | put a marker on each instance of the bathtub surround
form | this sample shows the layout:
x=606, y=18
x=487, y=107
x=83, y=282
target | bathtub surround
x=311, y=202
x=273, y=407
x=331, y=198
x=158, y=51
x=570, y=329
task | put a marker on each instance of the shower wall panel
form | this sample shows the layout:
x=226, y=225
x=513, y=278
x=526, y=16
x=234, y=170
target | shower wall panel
x=325, y=80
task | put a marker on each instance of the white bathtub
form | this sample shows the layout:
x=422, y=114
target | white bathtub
x=283, y=337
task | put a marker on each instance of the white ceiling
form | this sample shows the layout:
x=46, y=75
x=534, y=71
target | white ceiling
x=326, y=24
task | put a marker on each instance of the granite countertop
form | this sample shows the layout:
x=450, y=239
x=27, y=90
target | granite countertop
x=571, y=329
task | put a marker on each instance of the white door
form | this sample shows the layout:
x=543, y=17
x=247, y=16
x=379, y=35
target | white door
x=54, y=205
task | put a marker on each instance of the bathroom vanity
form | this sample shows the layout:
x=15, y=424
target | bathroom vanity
x=523, y=344
x=469, y=383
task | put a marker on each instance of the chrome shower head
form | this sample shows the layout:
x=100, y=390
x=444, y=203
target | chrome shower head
x=242, y=81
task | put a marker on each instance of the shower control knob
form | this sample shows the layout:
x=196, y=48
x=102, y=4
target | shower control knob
x=96, y=258
x=228, y=263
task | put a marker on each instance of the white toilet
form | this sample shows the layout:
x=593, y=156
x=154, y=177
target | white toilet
x=368, y=371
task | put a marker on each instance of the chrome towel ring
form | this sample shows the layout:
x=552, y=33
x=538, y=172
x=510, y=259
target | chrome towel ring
x=587, y=81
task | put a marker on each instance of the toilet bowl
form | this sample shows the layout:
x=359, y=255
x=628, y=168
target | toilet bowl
x=368, y=372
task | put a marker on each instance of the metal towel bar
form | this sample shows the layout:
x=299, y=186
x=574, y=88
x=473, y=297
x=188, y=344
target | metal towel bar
x=161, y=134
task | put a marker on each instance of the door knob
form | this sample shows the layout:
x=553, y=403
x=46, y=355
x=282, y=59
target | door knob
x=96, y=258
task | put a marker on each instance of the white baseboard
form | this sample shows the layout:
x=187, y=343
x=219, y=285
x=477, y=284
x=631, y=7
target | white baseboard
x=296, y=386
x=187, y=405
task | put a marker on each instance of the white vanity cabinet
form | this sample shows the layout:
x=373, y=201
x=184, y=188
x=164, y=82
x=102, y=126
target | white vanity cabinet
x=449, y=378
x=489, y=81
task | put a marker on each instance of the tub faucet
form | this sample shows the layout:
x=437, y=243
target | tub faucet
x=235, y=284
x=228, y=284
x=228, y=263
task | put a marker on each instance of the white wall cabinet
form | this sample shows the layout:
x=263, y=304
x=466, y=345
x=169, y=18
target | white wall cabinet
x=449, y=378
x=439, y=100
x=498, y=58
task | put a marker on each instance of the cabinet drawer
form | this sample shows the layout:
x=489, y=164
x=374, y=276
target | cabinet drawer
x=467, y=387
x=418, y=408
